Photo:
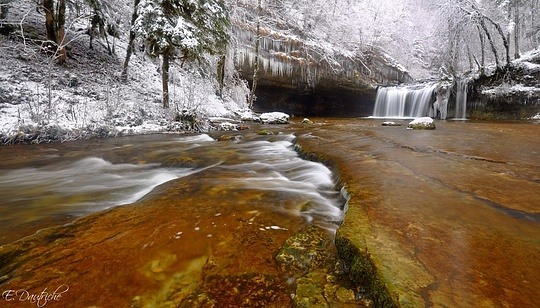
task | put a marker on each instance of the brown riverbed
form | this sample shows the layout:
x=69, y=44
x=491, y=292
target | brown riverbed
x=450, y=218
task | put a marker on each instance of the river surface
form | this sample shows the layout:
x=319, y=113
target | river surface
x=451, y=216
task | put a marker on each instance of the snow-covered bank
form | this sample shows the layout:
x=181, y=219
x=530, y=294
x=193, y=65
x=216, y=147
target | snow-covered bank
x=512, y=93
x=41, y=101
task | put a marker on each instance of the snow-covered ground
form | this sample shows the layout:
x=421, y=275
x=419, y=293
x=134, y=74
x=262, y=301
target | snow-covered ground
x=42, y=101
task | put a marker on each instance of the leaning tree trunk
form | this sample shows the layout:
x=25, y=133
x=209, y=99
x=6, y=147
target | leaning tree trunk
x=503, y=37
x=165, y=78
x=131, y=43
x=61, y=32
x=491, y=43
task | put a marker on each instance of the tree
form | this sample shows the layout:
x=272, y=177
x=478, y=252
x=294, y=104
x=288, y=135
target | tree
x=102, y=22
x=251, y=99
x=55, y=19
x=131, y=43
x=181, y=29
x=55, y=23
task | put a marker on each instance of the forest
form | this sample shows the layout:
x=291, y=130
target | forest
x=198, y=54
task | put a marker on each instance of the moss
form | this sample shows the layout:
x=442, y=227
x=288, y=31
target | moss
x=264, y=132
x=7, y=262
x=363, y=273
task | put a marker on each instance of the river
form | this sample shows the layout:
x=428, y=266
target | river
x=450, y=216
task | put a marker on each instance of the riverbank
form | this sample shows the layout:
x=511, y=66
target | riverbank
x=41, y=101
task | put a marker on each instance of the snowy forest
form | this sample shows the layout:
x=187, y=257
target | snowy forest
x=77, y=67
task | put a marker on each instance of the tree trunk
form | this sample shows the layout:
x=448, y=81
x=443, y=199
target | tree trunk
x=256, y=66
x=4, y=9
x=48, y=6
x=535, y=30
x=469, y=56
x=131, y=43
x=488, y=36
x=516, y=31
x=503, y=37
x=482, y=52
x=61, y=32
x=221, y=74
x=165, y=78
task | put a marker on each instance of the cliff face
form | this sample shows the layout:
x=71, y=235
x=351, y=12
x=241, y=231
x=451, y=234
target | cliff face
x=308, y=78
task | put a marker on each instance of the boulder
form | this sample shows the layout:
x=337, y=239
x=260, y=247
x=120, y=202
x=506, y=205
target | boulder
x=422, y=123
x=275, y=118
x=248, y=115
x=227, y=126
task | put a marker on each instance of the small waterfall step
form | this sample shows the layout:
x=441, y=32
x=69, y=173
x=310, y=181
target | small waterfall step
x=462, y=85
x=412, y=101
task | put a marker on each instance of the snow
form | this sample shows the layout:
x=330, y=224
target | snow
x=275, y=118
x=528, y=56
x=422, y=121
x=508, y=89
x=87, y=94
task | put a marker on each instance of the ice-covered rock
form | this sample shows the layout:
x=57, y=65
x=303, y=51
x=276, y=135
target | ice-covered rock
x=307, y=121
x=275, y=118
x=422, y=123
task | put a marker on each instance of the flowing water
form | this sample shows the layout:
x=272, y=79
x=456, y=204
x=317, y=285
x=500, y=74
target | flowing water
x=404, y=102
x=461, y=99
x=64, y=183
x=450, y=216
x=223, y=210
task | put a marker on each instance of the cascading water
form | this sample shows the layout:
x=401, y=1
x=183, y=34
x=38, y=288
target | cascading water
x=461, y=98
x=404, y=102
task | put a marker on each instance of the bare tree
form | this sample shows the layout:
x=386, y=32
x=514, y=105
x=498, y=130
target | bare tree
x=251, y=99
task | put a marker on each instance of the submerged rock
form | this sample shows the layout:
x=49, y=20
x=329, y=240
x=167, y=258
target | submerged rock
x=275, y=118
x=305, y=250
x=422, y=123
x=264, y=132
x=389, y=123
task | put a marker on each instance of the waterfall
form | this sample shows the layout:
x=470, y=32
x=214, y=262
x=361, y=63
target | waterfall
x=404, y=102
x=461, y=98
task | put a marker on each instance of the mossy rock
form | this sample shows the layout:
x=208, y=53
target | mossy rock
x=180, y=162
x=309, y=293
x=363, y=273
x=264, y=132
